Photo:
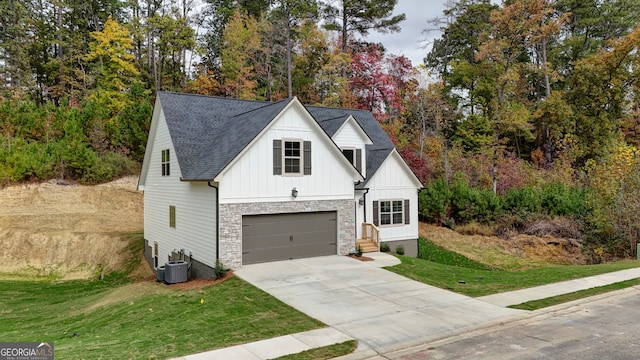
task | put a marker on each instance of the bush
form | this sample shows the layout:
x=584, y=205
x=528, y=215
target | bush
x=562, y=200
x=219, y=270
x=434, y=201
x=384, y=247
x=400, y=250
x=522, y=200
x=471, y=204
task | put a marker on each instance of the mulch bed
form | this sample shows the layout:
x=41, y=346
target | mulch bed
x=361, y=258
x=194, y=284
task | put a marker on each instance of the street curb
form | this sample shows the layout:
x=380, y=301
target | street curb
x=404, y=348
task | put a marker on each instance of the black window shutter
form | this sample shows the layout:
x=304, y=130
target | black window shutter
x=307, y=158
x=375, y=213
x=407, y=213
x=277, y=157
x=359, y=160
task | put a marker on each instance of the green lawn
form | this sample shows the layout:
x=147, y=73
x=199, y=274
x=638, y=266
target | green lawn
x=555, y=300
x=107, y=320
x=451, y=271
x=326, y=352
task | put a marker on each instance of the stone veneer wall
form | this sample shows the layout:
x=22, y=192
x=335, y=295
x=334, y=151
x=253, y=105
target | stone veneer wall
x=231, y=224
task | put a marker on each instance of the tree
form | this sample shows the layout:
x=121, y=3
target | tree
x=14, y=60
x=614, y=198
x=601, y=89
x=362, y=16
x=172, y=37
x=332, y=86
x=214, y=19
x=370, y=82
x=291, y=13
x=239, y=46
x=467, y=21
x=112, y=51
x=311, y=56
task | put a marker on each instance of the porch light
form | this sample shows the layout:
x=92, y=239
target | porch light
x=361, y=201
x=294, y=193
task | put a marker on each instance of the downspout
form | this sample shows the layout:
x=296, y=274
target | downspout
x=364, y=204
x=364, y=199
x=217, y=219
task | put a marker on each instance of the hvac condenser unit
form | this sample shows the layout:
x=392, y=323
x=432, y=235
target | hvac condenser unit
x=175, y=271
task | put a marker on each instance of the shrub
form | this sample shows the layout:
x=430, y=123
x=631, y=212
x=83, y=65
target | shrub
x=384, y=247
x=562, y=200
x=400, y=250
x=434, y=201
x=526, y=199
x=471, y=204
x=219, y=270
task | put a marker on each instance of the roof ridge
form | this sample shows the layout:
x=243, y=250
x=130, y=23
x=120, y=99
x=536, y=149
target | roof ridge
x=267, y=104
x=219, y=97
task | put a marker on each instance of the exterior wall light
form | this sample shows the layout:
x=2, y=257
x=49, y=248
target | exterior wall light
x=294, y=193
x=361, y=201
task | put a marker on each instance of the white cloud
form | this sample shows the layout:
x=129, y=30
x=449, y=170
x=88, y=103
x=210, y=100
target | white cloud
x=411, y=41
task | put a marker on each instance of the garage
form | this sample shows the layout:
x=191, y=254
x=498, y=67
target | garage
x=288, y=236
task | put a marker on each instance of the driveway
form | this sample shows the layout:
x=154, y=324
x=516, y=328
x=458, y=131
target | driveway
x=380, y=309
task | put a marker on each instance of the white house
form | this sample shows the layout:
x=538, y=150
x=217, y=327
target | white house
x=250, y=181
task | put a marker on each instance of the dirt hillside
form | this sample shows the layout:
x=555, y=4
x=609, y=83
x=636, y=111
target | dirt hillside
x=68, y=230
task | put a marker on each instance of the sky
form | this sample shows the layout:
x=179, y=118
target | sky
x=411, y=40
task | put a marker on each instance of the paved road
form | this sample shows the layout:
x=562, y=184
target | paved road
x=604, y=327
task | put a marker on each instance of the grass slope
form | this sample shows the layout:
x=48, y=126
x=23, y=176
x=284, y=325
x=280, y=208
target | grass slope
x=450, y=271
x=100, y=320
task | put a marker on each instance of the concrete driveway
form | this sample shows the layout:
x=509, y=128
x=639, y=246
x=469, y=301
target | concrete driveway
x=380, y=309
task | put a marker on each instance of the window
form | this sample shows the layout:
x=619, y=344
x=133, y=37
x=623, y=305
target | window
x=165, y=163
x=155, y=254
x=391, y=212
x=172, y=216
x=349, y=154
x=291, y=157
x=354, y=156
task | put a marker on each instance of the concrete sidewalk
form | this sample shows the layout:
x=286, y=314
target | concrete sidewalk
x=545, y=291
x=275, y=347
x=380, y=309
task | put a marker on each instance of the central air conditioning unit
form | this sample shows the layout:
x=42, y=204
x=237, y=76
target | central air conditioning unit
x=176, y=271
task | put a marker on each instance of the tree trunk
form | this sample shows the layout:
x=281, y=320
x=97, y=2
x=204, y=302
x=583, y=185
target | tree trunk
x=289, y=64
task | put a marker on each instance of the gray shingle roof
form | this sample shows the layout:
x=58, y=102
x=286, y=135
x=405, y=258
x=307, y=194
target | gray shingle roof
x=209, y=132
x=332, y=118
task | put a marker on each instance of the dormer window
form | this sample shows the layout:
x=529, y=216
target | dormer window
x=354, y=156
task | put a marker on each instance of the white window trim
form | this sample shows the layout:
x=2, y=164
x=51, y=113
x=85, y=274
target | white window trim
x=391, y=213
x=300, y=157
x=165, y=162
x=353, y=159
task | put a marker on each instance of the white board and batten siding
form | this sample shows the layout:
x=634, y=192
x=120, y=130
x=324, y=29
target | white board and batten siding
x=351, y=136
x=250, y=177
x=394, y=181
x=195, y=203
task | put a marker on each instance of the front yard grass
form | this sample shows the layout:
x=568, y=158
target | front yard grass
x=450, y=271
x=555, y=300
x=111, y=320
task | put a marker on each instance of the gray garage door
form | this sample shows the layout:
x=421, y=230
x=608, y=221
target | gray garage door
x=288, y=236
